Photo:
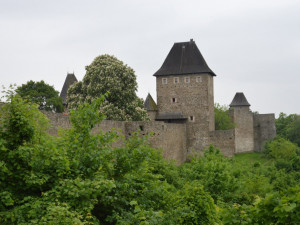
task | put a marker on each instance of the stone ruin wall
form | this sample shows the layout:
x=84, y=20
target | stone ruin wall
x=169, y=137
x=172, y=138
x=224, y=140
x=244, y=131
x=264, y=129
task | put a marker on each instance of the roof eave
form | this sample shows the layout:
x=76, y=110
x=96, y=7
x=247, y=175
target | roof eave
x=190, y=73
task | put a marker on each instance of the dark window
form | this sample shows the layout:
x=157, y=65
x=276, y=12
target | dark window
x=142, y=128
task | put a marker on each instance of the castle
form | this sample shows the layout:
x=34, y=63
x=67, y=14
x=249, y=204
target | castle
x=183, y=121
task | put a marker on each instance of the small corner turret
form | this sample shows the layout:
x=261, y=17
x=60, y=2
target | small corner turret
x=151, y=107
x=70, y=79
x=239, y=100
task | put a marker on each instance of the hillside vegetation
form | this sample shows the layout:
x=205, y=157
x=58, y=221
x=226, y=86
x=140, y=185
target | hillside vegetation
x=79, y=178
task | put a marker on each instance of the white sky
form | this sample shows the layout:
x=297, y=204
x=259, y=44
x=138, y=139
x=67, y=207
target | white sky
x=252, y=45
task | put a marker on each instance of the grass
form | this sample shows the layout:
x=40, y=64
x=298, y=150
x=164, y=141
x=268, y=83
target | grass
x=251, y=158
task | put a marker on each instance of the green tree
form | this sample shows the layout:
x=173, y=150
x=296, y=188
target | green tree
x=293, y=131
x=288, y=126
x=108, y=74
x=214, y=171
x=285, y=153
x=42, y=94
x=222, y=119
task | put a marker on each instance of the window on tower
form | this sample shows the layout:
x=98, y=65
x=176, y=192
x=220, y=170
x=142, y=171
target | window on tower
x=187, y=80
x=176, y=80
x=192, y=118
x=199, y=79
x=174, y=100
x=164, y=80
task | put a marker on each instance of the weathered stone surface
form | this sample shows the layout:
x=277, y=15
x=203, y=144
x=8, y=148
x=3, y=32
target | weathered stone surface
x=169, y=137
x=264, y=129
x=191, y=95
x=224, y=140
x=244, y=131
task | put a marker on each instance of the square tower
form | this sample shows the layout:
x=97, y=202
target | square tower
x=184, y=86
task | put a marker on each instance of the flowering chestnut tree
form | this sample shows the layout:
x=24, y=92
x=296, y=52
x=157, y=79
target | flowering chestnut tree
x=107, y=74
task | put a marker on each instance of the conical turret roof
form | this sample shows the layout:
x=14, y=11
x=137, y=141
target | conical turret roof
x=70, y=79
x=150, y=104
x=239, y=100
x=184, y=58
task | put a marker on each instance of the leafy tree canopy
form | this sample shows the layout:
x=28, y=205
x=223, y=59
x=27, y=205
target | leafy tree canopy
x=223, y=120
x=42, y=94
x=288, y=126
x=107, y=74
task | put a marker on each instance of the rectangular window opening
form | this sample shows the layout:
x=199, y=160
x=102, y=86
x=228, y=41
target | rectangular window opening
x=199, y=79
x=176, y=80
x=164, y=80
x=141, y=128
x=187, y=80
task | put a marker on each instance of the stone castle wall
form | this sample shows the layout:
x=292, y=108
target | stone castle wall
x=169, y=137
x=224, y=140
x=264, y=129
x=244, y=132
x=173, y=139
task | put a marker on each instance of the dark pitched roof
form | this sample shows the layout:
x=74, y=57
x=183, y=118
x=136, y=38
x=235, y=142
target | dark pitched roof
x=70, y=79
x=170, y=116
x=239, y=100
x=150, y=104
x=184, y=58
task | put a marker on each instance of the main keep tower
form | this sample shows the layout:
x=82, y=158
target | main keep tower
x=185, y=93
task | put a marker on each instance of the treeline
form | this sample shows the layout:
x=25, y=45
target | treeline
x=79, y=178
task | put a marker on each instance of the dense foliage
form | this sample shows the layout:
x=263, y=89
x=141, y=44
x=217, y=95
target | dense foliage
x=79, y=178
x=42, y=94
x=223, y=121
x=108, y=74
x=288, y=126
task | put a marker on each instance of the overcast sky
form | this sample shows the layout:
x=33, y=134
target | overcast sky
x=253, y=46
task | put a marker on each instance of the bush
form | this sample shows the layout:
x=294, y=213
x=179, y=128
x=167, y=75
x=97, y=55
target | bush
x=222, y=119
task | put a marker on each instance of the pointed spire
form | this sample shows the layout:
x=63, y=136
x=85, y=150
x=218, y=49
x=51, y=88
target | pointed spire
x=184, y=58
x=239, y=100
x=150, y=104
x=70, y=79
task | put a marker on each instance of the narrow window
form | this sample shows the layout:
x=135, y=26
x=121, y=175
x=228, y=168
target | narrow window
x=192, y=118
x=187, y=80
x=199, y=79
x=164, y=80
x=142, y=128
x=174, y=100
x=176, y=80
